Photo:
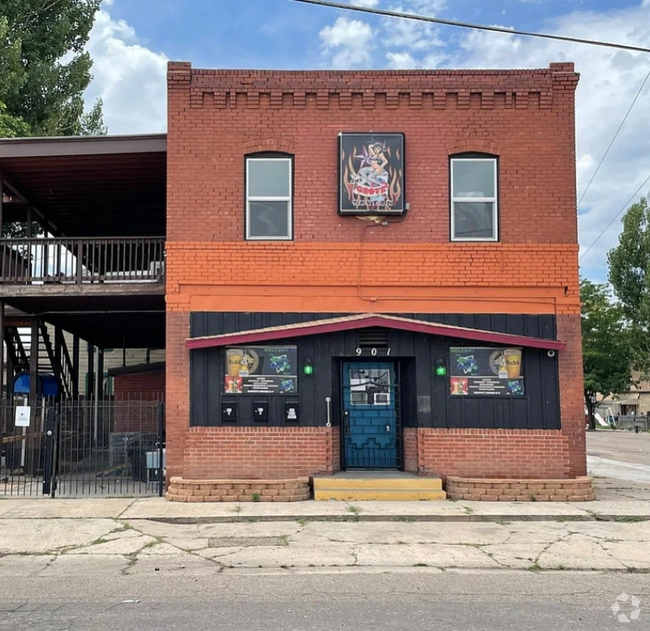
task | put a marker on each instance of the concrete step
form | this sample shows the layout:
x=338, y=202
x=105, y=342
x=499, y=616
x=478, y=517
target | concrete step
x=381, y=481
x=388, y=486
x=387, y=495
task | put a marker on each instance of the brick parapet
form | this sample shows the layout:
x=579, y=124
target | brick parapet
x=416, y=89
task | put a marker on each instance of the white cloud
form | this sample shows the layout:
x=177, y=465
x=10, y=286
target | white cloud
x=411, y=34
x=348, y=44
x=400, y=61
x=349, y=41
x=609, y=81
x=129, y=78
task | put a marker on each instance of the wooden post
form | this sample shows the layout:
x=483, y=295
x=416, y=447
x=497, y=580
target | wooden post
x=2, y=181
x=9, y=372
x=90, y=381
x=2, y=353
x=100, y=374
x=90, y=378
x=58, y=358
x=33, y=363
x=79, y=262
x=75, y=367
x=31, y=252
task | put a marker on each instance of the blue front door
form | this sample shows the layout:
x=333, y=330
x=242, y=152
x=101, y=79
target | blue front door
x=370, y=429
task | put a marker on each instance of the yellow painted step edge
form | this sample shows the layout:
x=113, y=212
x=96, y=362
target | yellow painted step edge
x=393, y=495
x=378, y=483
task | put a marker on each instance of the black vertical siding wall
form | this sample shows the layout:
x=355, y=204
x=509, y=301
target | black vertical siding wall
x=212, y=323
x=425, y=397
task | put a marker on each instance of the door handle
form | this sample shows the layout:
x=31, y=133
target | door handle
x=328, y=403
x=346, y=422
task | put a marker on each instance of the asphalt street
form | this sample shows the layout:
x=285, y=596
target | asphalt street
x=109, y=565
x=417, y=600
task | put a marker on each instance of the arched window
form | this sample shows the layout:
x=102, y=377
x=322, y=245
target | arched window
x=269, y=196
x=474, y=197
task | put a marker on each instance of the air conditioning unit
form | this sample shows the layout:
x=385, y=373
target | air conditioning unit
x=382, y=398
x=358, y=398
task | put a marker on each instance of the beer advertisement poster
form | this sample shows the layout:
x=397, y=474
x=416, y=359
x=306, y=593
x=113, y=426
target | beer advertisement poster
x=261, y=370
x=371, y=174
x=486, y=371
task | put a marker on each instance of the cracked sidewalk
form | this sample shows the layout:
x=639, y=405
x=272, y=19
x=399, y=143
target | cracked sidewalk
x=64, y=547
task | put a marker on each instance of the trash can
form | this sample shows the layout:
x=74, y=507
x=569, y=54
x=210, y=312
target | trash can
x=138, y=461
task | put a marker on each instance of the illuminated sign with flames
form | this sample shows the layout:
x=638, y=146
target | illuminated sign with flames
x=371, y=174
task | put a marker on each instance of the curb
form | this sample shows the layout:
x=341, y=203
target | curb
x=226, y=519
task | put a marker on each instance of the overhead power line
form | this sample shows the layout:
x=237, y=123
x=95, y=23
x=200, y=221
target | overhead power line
x=618, y=214
x=618, y=131
x=501, y=29
x=478, y=27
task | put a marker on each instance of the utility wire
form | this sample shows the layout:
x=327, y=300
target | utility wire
x=618, y=131
x=478, y=27
x=500, y=29
x=618, y=214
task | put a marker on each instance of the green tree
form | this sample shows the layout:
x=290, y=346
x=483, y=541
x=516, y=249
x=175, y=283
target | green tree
x=606, y=353
x=44, y=68
x=629, y=275
x=11, y=126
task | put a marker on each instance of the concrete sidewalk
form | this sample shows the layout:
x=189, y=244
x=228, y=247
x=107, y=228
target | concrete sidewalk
x=65, y=547
x=618, y=501
x=44, y=538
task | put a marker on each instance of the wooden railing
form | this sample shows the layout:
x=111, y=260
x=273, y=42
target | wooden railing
x=79, y=260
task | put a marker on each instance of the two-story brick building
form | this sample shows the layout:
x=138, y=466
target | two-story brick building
x=373, y=270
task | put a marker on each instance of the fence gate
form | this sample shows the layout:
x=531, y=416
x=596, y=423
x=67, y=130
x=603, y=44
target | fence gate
x=82, y=448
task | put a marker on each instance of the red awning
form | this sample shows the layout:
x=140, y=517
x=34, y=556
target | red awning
x=365, y=320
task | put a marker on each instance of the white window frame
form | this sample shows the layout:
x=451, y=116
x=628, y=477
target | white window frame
x=288, y=198
x=494, y=200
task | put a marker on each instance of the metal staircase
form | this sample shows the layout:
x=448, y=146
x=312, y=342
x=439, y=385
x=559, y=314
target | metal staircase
x=53, y=356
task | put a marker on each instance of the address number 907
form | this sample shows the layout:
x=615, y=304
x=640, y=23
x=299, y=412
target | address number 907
x=373, y=352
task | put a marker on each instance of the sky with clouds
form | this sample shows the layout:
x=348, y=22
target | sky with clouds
x=132, y=40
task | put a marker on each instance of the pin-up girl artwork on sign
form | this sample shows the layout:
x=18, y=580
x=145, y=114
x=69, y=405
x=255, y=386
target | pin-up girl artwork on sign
x=372, y=174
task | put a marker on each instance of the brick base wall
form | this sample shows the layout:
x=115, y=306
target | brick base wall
x=335, y=434
x=575, y=490
x=260, y=452
x=411, y=450
x=484, y=453
x=182, y=490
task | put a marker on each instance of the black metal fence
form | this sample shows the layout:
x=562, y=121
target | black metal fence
x=82, y=448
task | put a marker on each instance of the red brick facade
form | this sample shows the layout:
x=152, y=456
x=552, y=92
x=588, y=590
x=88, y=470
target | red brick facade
x=488, y=453
x=146, y=386
x=525, y=117
x=260, y=452
x=138, y=394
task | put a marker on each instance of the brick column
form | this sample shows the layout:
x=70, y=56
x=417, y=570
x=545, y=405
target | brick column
x=571, y=392
x=177, y=408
